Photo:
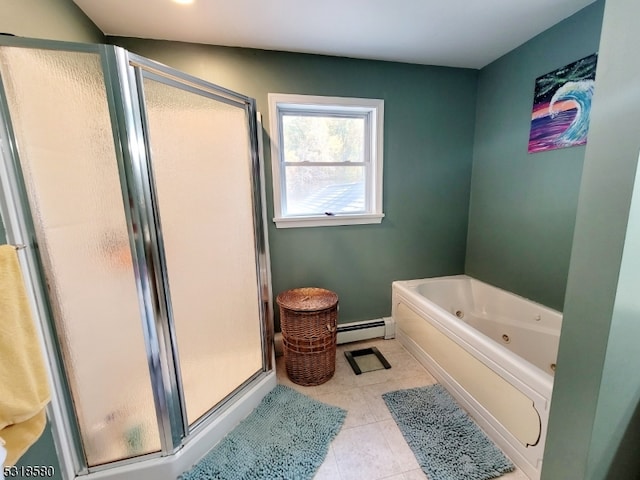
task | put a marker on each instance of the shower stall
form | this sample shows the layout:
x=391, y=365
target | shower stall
x=137, y=191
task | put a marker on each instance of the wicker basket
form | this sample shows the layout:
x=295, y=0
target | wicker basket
x=308, y=319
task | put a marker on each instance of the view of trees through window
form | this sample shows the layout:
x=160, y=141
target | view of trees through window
x=309, y=141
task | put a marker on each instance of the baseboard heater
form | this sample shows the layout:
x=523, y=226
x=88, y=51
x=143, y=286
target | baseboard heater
x=355, y=331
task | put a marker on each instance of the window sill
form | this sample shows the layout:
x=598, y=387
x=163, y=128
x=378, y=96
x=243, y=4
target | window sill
x=328, y=221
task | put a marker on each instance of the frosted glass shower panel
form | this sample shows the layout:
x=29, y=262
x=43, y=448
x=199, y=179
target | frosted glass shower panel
x=202, y=167
x=60, y=116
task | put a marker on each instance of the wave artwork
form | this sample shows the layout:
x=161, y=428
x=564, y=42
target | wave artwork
x=561, y=106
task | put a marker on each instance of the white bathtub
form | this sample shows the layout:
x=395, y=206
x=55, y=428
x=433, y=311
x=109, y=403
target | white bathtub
x=494, y=351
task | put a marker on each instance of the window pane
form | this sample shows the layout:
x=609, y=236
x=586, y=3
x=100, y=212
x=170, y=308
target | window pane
x=316, y=190
x=323, y=139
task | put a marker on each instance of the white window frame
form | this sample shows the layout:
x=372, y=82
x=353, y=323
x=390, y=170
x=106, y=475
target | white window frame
x=373, y=110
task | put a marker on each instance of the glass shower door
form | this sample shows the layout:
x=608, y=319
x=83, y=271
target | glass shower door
x=59, y=113
x=137, y=190
x=201, y=164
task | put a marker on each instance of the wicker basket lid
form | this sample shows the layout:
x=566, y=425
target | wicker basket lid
x=309, y=299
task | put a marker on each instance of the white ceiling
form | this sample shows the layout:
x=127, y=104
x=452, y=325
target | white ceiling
x=457, y=33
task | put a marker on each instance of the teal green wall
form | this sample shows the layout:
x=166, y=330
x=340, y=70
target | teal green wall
x=428, y=141
x=616, y=431
x=594, y=430
x=615, y=439
x=522, y=207
x=43, y=453
x=50, y=19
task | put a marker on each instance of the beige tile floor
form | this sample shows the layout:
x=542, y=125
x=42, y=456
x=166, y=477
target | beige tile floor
x=370, y=445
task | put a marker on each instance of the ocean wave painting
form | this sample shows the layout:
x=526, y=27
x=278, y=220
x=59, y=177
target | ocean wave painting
x=561, y=106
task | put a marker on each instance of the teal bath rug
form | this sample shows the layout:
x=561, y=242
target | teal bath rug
x=286, y=437
x=445, y=440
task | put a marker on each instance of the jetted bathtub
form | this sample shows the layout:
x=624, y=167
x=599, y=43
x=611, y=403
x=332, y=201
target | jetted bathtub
x=494, y=351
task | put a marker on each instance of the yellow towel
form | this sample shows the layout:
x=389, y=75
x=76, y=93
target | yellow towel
x=24, y=387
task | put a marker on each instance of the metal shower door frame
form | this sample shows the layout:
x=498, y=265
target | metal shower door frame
x=20, y=230
x=131, y=69
x=122, y=73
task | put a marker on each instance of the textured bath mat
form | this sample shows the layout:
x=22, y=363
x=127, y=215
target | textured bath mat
x=286, y=437
x=445, y=440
